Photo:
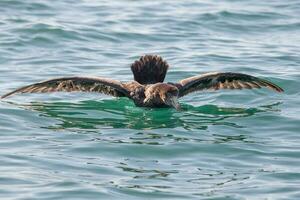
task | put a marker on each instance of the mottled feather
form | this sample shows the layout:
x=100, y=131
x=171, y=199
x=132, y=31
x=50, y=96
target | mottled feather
x=227, y=80
x=73, y=84
x=148, y=88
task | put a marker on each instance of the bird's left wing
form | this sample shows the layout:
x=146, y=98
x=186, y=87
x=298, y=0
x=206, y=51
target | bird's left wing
x=225, y=80
x=72, y=84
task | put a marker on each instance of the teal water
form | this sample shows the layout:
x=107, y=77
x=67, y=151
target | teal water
x=222, y=145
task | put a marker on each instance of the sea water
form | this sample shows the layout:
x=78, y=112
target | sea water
x=242, y=144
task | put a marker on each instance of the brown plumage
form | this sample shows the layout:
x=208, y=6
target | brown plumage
x=148, y=89
x=149, y=69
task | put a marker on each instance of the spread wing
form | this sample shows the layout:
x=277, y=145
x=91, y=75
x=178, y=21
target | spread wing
x=227, y=80
x=73, y=84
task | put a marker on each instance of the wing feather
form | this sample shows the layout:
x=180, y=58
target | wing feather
x=226, y=80
x=73, y=84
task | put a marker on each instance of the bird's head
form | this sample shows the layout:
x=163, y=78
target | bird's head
x=164, y=93
x=170, y=96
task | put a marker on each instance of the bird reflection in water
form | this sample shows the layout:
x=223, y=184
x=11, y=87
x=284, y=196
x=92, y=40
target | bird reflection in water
x=123, y=114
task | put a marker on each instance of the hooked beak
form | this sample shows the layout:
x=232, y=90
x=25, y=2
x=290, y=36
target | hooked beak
x=173, y=101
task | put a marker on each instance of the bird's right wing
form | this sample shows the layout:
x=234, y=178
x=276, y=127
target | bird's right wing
x=72, y=84
x=223, y=80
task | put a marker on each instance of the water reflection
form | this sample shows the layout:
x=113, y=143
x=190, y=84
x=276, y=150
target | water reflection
x=203, y=178
x=123, y=113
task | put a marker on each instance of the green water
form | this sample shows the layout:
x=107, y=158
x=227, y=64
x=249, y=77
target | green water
x=222, y=145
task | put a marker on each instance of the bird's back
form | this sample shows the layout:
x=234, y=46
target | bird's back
x=149, y=69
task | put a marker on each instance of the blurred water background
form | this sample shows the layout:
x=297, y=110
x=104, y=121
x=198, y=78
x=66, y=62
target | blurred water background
x=223, y=145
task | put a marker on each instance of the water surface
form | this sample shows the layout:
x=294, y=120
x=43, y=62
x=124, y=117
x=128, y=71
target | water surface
x=222, y=145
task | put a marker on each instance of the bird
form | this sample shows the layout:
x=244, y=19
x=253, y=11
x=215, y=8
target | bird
x=148, y=88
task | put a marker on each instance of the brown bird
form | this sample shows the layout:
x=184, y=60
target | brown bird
x=148, y=89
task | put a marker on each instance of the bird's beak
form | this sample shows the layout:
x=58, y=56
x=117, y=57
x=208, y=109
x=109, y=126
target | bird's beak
x=173, y=101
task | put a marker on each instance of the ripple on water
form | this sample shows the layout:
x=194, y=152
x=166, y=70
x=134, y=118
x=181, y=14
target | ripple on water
x=222, y=145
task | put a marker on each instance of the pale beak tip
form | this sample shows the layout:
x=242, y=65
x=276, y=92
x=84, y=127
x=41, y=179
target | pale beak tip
x=175, y=104
x=178, y=108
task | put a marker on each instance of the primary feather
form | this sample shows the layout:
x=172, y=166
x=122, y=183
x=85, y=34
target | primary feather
x=72, y=84
x=223, y=80
x=148, y=89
